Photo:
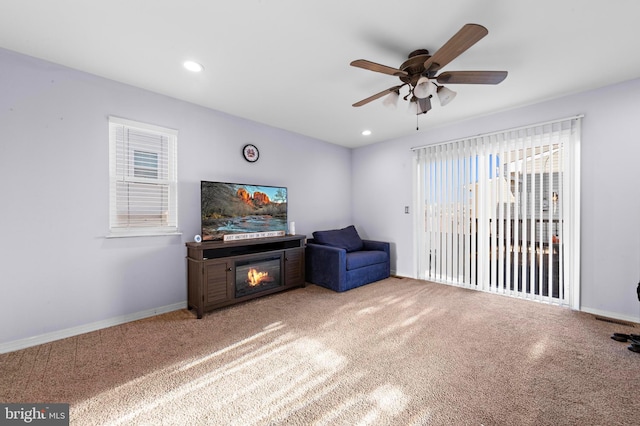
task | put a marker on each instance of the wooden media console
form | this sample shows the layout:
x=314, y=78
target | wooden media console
x=224, y=273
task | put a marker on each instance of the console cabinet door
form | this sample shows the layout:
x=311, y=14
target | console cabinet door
x=294, y=267
x=217, y=277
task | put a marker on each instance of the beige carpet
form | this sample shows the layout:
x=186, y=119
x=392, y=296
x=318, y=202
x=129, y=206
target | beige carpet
x=396, y=352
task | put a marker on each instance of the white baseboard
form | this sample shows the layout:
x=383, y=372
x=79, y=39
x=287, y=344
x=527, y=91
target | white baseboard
x=612, y=315
x=98, y=325
x=86, y=328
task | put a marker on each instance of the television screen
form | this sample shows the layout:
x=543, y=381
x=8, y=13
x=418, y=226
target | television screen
x=233, y=210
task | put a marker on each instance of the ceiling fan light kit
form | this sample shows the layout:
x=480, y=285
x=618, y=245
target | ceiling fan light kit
x=419, y=106
x=424, y=88
x=419, y=73
x=413, y=107
x=424, y=105
x=445, y=95
x=391, y=100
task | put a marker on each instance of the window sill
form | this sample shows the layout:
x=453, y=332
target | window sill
x=142, y=234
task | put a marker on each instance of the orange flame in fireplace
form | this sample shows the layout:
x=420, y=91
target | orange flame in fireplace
x=254, y=277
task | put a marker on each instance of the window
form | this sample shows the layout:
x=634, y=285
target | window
x=142, y=179
x=145, y=164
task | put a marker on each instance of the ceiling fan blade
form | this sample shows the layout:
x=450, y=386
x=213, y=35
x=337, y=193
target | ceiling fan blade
x=377, y=95
x=466, y=37
x=472, y=77
x=372, y=66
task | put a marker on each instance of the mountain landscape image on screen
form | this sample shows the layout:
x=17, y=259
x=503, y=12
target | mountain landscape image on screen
x=231, y=208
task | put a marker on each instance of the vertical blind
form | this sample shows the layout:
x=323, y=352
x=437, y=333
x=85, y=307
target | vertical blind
x=499, y=212
x=143, y=178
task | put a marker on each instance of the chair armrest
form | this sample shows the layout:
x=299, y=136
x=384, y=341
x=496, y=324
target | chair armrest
x=325, y=264
x=322, y=254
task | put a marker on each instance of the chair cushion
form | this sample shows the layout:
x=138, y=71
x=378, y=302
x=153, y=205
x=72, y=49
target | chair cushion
x=359, y=259
x=346, y=238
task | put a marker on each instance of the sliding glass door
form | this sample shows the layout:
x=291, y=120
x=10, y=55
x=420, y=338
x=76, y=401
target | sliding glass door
x=499, y=212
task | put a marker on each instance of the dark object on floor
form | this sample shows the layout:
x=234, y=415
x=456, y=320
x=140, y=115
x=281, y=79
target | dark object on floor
x=622, y=337
x=633, y=338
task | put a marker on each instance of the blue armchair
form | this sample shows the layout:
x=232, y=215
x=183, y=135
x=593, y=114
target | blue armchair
x=340, y=260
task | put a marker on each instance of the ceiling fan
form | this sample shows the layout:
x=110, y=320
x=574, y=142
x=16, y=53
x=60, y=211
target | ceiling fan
x=419, y=71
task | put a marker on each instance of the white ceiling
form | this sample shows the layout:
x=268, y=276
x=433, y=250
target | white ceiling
x=285, y=63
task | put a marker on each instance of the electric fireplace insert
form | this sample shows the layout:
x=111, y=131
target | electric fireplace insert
x=257, y=275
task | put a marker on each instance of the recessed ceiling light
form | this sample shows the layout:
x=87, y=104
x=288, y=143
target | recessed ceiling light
x=366, y=132
x=193, y=66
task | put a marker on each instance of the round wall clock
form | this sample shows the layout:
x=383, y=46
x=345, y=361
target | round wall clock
x=250, y=153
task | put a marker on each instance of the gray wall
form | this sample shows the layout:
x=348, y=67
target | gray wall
x=58, y=273
x=610, y=251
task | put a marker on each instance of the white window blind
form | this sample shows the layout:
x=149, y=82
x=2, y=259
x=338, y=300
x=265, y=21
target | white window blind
x=500, y=212
x=143, y=179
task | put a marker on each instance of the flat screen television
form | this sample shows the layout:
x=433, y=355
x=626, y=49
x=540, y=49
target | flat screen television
x=235, y=210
